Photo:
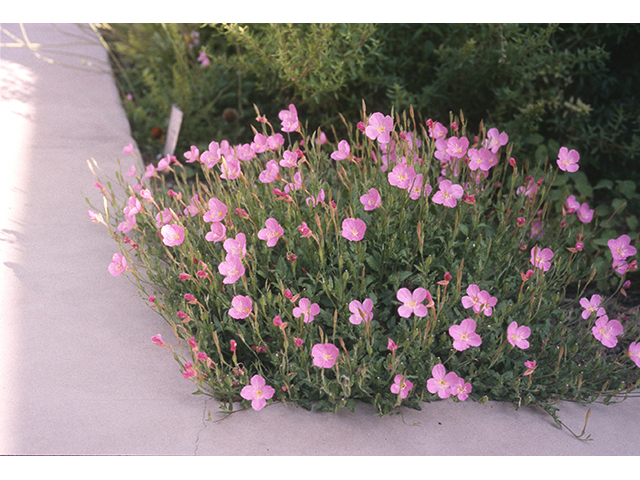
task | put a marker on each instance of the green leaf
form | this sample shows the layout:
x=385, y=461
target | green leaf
x=608, y=184
x=582, y=184
x=560, y=180
x=632, y=222
x=534, y=139
x=541, y=153
x=618, y=203
x=627, y=188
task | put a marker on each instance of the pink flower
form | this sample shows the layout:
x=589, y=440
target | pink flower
x=621, y=248
x=464, y=335
x=585, y=215
x=568, y=160
x=379, y=127
x=270, y=173
x=211, y=156
x=457, y=147
x=164, y=163
x=362, y=312
x=607, y=331
x=127, y=150
x=172, y=235
x=296, y=185
x=158, y=340
x=149, y=172
x=232, y=269
x=313, y=202
x=472, y=298
x=203, y=59
x=448, y=194
x=401, y=386
x=305, y=231
x=412, y=302
x=133, y=206
x=217, y=211
x=530, y=189
x=298, y=341
x=441, y=381
x=415, y=189
x=189, y=371
x=289, y=119
x=131, y=172
x=391, y=345
x=622, y=266
x=571, y=205
x=592, y=306
x=541, y=258
x=634, y=353
x=259, y=144
x=118, y=265
x=233, y=346
x=306, y=309
x=274, y=142
x=487, y=302
x=217, y=233
x=401, y=176
x=353, y=229
x=241, y=307
x=230, y=167
x=272, y=233
x=324, y=355
x=163, y=217
x=460, y=388
x=495, y=139
x=517, y=336
x=343, y=152
x=531, y=366
x=236, y=247
x=128, y=224
x=192, y=155
x=480, y=159
x=437, y=130
x=258, y=392
x=290, y=159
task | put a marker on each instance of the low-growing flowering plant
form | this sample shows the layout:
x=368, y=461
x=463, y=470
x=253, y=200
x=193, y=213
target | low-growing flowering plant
x=402, y=263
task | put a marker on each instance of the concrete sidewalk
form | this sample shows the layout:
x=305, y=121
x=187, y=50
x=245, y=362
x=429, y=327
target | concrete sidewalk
x=78, y=372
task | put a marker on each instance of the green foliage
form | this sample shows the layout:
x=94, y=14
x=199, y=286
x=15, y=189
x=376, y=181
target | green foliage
x=573, y=84
x=159, y=68
x=407, y=244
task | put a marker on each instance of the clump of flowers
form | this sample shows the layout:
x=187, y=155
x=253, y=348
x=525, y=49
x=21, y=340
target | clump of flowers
x=397, y=264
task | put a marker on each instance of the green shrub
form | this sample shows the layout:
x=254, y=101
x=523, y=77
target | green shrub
x=316, y=261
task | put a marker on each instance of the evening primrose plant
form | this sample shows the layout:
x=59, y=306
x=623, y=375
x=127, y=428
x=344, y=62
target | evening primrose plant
x=405, y=262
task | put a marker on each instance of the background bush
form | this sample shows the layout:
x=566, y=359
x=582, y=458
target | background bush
x=547, y=85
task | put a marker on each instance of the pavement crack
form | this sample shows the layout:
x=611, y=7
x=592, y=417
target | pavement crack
x=204, y=426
